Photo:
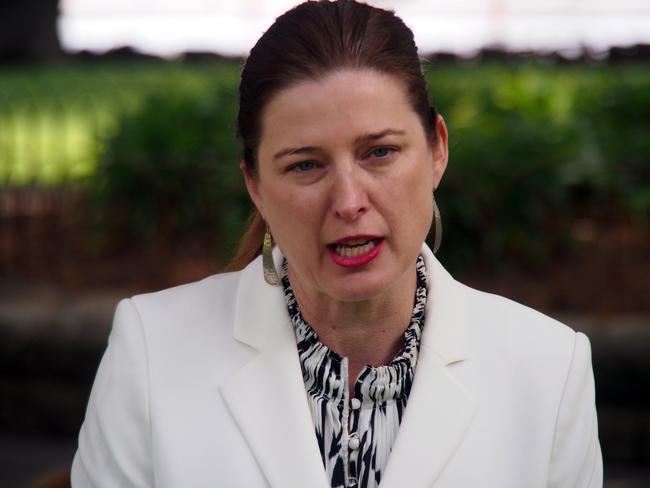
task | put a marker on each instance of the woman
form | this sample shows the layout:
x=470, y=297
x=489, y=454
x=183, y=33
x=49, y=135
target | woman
x=346, y=356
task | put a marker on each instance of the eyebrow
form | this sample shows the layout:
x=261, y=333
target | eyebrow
x=357, y=140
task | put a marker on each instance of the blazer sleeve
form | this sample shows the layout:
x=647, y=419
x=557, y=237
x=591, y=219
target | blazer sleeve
x=576, y=460
x=114, y=442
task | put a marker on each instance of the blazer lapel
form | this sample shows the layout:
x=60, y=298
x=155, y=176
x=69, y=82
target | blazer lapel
x=267, y=395
x=268, y=401
x=440, y=407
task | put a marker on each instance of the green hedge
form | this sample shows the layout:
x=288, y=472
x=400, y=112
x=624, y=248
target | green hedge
x=54, y=118
x=532, y=146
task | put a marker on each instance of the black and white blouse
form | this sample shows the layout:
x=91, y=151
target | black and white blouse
x=356, y=435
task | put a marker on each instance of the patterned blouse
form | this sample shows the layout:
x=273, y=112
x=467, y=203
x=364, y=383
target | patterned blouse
x=355, y=435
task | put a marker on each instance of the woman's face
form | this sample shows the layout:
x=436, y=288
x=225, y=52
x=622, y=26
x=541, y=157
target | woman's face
x=345, y=181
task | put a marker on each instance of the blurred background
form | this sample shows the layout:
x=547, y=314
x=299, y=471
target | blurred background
x=119, y=175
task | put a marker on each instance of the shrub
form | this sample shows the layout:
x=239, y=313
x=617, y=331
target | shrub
x=171, y=170
x=531, y=146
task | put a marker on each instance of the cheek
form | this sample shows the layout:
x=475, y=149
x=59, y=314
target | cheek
x=277, y=198
x=291, y=210
x=413, y=183
x=413, y=197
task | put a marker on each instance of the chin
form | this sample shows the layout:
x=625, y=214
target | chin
x=357, y=288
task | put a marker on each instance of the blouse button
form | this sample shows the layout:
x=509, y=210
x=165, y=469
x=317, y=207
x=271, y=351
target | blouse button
x=354, y=442
x=355, y=404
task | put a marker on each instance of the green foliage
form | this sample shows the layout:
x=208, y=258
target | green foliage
x=531, y=145
x=614, y=118
x=171, y=169
x=526, y=142
x=52, y=118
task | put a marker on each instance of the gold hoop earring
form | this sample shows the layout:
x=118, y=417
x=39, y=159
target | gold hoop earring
x=268, y=265
x=437, y=226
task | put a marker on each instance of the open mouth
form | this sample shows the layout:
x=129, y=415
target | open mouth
x=356, y=251
x=354, y=248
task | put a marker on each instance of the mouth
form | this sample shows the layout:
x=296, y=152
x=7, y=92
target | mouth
x=355, y=251
x=354, y=247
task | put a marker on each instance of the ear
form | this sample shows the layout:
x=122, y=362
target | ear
x=252, y=185
x=440, y=151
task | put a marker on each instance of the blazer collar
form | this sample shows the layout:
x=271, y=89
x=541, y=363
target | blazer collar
x=267, y=396
x=261, y=317
x=446, y=326
x=440, y=406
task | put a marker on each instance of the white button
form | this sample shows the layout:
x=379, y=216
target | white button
x=355, y=404
x=354, y=443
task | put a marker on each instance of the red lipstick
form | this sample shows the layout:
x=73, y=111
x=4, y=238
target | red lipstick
x=355, y=251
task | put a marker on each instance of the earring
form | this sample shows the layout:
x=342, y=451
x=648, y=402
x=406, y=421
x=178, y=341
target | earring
x=268, y=265
x=437, y=226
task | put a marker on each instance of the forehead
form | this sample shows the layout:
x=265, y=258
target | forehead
x=338, y=107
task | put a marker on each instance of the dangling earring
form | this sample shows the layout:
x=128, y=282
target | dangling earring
x=437, y=226
x=268, y=265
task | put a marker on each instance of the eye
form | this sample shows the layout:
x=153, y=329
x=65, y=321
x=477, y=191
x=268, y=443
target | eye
x=303, y=166
x=381, y=152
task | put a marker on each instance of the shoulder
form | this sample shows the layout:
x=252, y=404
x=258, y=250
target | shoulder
x=528, y=369
x=506, y=319
x=186, y=320
x=540, y=369
x=465, y=322
x=214, y=294
x=517, y=332
x=522, y=347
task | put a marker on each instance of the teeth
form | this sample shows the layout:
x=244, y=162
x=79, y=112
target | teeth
x=356, y=242
x=354, y=248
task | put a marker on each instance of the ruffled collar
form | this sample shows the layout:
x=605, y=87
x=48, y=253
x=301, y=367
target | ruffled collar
x=323, y=369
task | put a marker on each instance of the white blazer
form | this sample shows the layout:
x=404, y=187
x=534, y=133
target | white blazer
x=200, y=386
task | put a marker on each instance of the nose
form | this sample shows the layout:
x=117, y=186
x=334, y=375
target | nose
x=349, y=195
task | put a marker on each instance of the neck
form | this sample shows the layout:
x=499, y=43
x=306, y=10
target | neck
x=369, y=332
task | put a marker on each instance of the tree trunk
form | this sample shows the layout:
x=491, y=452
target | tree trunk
x=28, y=30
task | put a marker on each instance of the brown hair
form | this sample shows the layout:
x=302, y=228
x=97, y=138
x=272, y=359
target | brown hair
x=306, y=43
